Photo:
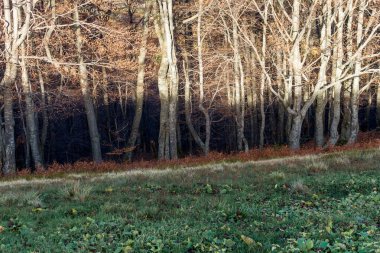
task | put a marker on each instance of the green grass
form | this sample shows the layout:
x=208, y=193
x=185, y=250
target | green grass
x=326, y=204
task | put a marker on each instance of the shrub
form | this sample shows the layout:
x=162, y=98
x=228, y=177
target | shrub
x=76, y=191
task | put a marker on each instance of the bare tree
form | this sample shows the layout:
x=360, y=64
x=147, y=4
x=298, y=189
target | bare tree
x=140, y=79
x=88, y=103
x=167, y=80
x=31, y=122
x=17, y=17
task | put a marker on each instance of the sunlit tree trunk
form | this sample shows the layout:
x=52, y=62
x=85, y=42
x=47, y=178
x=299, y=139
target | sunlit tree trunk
x=356, y=81
x=86, y=93
x=15, y=32
x=322, y=77
x=296, y=64
x=346, y=123
x=281, y=108
x=252, y=101
x=334, y=134
x=204, y=145
x=288, y=96
x=140, y=81
x=106, y=102
x=167, y=81
x=239, y=90
x=31, y=122
x=201, y=81
x=262, y=81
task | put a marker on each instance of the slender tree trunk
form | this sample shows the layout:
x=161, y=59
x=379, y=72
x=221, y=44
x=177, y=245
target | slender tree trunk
x=252, y=97
x=88, y=102
x=106, y=102
x=163, y=152
x=45, y=118
x=31, y=122
x=188, y=110
x=356, y=81
x=27, y=158
x=140, y=82
x=346, y=124
x=263, y=81
x=201, y=81
x=9, y=139
x=334, y=134
x=325, y=51
x=288, y=97
x=239, y=90
x=296, y=62
x=10, y=72
x=281, y=108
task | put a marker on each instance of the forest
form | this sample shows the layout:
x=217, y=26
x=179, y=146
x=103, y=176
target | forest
x=125, y=80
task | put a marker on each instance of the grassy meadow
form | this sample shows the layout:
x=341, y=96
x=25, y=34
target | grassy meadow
x=326, y=203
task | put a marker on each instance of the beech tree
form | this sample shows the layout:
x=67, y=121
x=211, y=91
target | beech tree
x=167, y=80
x=17, y=18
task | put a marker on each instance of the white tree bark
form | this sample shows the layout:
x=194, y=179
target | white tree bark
x=86, y=93
x=356, y=81
x=140, y=81
x=167, y=81
x=31, y=122
x=334, y=134
x=17, y=16
x=296, y=65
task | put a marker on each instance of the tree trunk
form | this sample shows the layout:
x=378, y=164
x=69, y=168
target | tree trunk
x=189, y=123
x=31, y=122
x=296, y=62
x=239, y=90
x=295, y=132
x=320, y=119
x=201, y=81
x=325, y=51
x=356, y=81
x=281, y=108
x=26, y=142
x=346, y=123
x=140, y=82
x=163, y=145
x=252, y=98
x=337, y=72
x=10, y=72
x=9, y=139
x=167, y=81
x=88, y=103
x=45, y=118
x=106, y=102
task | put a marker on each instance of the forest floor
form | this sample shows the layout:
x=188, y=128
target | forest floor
x=312, y=203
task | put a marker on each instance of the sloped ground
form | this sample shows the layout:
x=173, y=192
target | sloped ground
x=324, y=203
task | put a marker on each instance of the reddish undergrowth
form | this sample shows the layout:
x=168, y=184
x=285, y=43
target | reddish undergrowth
x=366, y=140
